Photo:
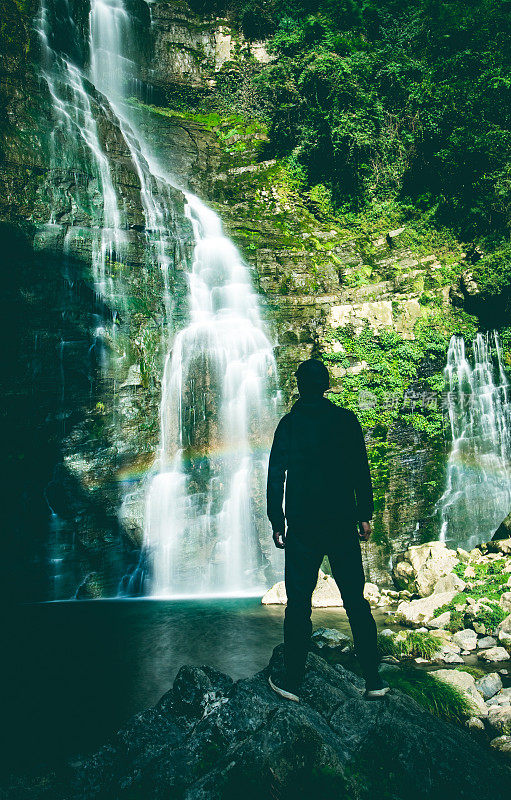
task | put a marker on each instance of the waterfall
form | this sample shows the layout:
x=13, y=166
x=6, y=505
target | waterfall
x=478, y=491
x=218, y=410
x=76, y=130
x=204, y=498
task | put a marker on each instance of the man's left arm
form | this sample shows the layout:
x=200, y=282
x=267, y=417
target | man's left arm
x=277, y=466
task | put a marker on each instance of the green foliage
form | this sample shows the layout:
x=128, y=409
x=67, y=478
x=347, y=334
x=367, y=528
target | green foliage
x=325, y=566
x=396, y=391
x=505, y=338
x=393, y=364
x=488, y=586
x=387, y=646
x=382, y=113
x=404, y=100
x=459, y=597
x=459, y=569
x=416, y=643
x=296, y=175
x=434, y=695
x=483, y=569
x=26, y=6
x=456, y=622
x=491, y=577
x=226, y=126
x=492, y=615
x=420, y=643
x=321, y=198
x=492, y=274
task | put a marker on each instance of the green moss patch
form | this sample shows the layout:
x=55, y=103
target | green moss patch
x=476, y=672
x=490, y=579
x=233, y=130
x=490, y=616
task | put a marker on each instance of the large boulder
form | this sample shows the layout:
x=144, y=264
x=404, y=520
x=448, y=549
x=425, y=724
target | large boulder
x=502, y=744
x=441, y=621
x=504, y=529
x=420, y=567
x=494, y=654
x=210, y=739
x=275, y=596
x=417, y=612
x=502, y=546
x=466, y=639
x=372, y=593
x=505, y=602
x=449, y=583
x=485, y=642
x=325, y=595
x=489, y=685
x=499, y=719
x=505, y=625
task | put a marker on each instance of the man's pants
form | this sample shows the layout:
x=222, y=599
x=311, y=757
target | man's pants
x=302, y=564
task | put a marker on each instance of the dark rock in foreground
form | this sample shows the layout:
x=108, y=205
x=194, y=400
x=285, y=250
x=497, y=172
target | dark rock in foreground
x=211, y=738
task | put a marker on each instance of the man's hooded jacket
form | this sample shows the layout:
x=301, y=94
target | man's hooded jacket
x=319, y=452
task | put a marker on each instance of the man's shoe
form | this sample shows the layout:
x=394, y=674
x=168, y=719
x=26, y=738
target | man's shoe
x=284, y=689
x=375, y=688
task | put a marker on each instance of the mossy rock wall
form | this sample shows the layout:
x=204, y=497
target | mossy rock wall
x=376, y=296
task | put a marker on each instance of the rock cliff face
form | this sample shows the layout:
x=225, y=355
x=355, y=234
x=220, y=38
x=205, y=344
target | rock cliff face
x=87, y=370
x=83, y=383
x=211, y=738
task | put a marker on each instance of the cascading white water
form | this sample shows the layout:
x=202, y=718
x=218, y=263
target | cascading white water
x=112, y=73
x=76, y=126
x=219, y=400
x=478, y=491
x=221, y=378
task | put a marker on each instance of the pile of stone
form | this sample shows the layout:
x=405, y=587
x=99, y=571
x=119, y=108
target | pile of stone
x=425, y=573
x=489, y=700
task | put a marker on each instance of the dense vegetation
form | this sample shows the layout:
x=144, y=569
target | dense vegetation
x=389, y=100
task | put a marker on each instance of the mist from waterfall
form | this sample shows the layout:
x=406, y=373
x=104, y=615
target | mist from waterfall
x=205, y=530
x=478, y=490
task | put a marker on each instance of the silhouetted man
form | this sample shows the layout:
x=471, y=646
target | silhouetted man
x=319, y=451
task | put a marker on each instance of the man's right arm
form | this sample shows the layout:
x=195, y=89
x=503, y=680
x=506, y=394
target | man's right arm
x=277, y=466
x=361, y=474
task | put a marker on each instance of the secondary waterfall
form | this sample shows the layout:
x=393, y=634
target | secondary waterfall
x=205, y=527
x=478, y=491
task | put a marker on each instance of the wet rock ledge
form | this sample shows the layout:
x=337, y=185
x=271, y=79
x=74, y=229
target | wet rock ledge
x=211, y=738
